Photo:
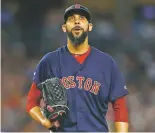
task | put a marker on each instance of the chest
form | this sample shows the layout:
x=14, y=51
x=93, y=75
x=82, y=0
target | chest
x=91, y=78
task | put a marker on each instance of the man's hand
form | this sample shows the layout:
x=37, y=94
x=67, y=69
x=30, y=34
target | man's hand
x=46, y=123
x=37, y=115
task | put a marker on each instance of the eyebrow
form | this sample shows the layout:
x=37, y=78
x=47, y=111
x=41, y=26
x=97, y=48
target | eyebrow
x=77, y=14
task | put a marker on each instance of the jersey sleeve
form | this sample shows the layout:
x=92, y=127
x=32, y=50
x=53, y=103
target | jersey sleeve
x=40, y=73
x=117, y=86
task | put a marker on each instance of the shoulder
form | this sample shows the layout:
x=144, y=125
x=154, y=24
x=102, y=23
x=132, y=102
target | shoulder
x=102, y=55
x=51, y=56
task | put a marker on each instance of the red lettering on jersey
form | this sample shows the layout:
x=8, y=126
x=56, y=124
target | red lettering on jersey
x=95, y=88
x=72, y=84
x=88, y=84
x=65, y=82
x=80, y=79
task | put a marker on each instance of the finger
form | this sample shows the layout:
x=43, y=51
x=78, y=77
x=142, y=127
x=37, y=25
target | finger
x=56, y=124
x=49, y=108
x=61, y=113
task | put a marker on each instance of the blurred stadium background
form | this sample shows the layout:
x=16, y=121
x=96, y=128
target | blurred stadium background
x=125, y=29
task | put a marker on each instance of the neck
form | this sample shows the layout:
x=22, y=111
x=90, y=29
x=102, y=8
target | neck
x=78, y=49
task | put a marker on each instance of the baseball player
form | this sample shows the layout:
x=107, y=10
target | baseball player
x=91, y=77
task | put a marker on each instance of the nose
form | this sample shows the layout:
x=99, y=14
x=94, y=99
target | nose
x=77, y=21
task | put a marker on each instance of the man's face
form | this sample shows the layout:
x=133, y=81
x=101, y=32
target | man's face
x=77, y=27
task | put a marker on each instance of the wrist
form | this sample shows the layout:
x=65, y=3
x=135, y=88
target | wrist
x=43, y=121
x=121, y=126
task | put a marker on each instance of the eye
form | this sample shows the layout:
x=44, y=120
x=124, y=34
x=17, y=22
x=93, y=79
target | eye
x=71, y=18
x=82, y=17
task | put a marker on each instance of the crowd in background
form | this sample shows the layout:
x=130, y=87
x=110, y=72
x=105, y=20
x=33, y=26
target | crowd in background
x=23, y=46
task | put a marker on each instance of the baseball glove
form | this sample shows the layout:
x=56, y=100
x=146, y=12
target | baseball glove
x=55, y=98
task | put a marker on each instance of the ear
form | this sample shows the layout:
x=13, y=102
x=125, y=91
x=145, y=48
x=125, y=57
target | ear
x=90, y=26
x=64, y=27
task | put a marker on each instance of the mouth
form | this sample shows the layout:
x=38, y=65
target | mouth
x=77, y=28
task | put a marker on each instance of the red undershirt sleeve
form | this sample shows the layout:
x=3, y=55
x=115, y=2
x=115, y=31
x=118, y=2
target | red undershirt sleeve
x=120, y=110
x=33, y=98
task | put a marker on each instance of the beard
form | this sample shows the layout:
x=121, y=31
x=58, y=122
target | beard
x=77, y=40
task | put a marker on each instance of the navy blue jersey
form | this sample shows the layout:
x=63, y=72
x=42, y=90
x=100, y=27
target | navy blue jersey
x=90, y=86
